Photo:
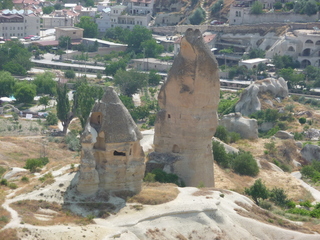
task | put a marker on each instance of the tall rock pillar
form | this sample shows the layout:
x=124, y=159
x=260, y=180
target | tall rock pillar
x=188, y=119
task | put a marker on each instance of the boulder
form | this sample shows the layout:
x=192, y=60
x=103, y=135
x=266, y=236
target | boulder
x=228, y=148
x=188, y=119
x=234, y=122
x=112, y=159
x=310, y=152
x=249, y=101
x=284, y=135
x=312, y=134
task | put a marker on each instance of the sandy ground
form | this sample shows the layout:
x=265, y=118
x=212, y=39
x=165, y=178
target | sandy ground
x=210, y=214
x=194, y=214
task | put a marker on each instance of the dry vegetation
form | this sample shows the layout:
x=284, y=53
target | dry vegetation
x=44, y=213
x=262, y=215
x=156, y=193
x=9, y=234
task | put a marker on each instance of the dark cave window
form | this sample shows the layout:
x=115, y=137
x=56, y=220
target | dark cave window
x=116, y=153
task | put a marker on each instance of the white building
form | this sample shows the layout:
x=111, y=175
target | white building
x=20, y=24
x=60, y=18
x=104, y=21
x=126, y=16
x=302, y=45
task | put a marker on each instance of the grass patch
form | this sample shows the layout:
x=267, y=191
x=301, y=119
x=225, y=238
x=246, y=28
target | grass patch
x=155, y=193
x=9, y=234
x=27, y=210
x=4, y=214
x=264, y=216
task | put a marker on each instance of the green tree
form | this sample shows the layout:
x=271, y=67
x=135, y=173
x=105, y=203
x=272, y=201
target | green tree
x=277, y=5
x=256, y=8
x=45, y=83
x=257, y=191
x=65, y=42
x=25, y=92
x=154, y=78
x=7, y=82
x=15, y=58
x=6, y=4
x=51, y=119
x=85, y=97
x=69, y=74
x=245, y=164
x=117, y=34
x=136, y=37
x=151, y=48
x=197, y=17
x=257, y=53
x=47, y=10
x=311, y=7
x=90, y=27
x=44, y=100
x=216, y=7
x=63, y=107
x=129, y=82
x=113, y=67
x=279, y=197
x=57, y=6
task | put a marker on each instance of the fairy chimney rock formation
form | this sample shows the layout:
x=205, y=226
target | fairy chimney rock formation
x=188, y=119
x=112, y=158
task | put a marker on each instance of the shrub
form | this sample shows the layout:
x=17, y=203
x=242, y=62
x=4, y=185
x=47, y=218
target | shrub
x=306, y=204
x=291, y=204
x=300, y=211
x=278, y=196
x=222, y=134
x=149, y=177
x=163, y=177
x=234, y=137
x=265, y=205
x=257, y=191
x=220, y=155
x=69, y=74
x=298, y=136
x=33, y=163
x=289, y=107
x=12, y=185
x=51, y=119
x=271, y=147
x=2, y=171
x=24, y=179
x=302, y=120
x=4, y=182
x=245, y=164
x=72, y=141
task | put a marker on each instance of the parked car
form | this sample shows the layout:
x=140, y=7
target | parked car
x=216, y=22
x=28, y=37
x=35, y=38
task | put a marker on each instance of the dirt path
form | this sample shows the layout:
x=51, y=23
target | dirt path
x=315, y=193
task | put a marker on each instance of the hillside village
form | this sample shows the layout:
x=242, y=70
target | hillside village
x=134, y=119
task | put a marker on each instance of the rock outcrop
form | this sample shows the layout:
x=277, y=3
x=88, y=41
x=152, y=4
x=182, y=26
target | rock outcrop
x=310, y=152
x=249, y=101
x=284, y=135
x=112, y=159
x=312, y=134
x=187, y=120
x=234, y=122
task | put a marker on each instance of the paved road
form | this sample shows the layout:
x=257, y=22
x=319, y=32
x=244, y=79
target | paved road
x=315, y=193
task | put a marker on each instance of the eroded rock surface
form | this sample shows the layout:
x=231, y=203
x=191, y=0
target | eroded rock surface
x=234, y=122
x=187, y=120
x=112, y=159
x=310, y=152
x=249, y=101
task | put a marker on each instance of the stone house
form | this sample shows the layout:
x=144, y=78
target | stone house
x=112, y=158
x=147, y=64
x=60, y=18
x=19, y=24
x=72, y=32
